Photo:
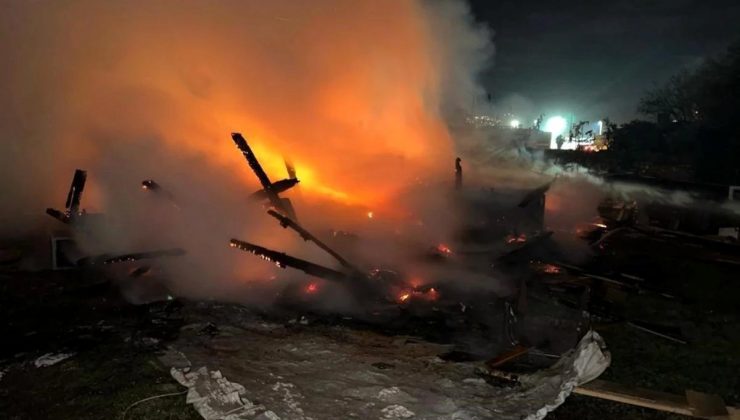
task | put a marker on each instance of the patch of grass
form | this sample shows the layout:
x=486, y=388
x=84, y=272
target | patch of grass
x=96, y=384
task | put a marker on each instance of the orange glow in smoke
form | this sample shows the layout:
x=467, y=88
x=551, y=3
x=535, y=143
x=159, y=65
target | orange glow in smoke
x=353, y=102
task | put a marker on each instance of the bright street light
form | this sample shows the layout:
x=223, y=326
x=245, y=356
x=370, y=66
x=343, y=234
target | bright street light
x=555, y=126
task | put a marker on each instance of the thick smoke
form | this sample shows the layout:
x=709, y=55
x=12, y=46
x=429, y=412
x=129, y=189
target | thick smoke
x=356, y=94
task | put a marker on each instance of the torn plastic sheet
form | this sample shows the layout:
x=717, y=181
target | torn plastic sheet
x=214, y=396
x=318, y=375
x=50, y=359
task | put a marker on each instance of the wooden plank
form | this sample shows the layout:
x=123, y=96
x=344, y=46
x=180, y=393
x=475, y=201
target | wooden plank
x=694, y=404
x=706, y=405
x=635, y=396
x=503, y=358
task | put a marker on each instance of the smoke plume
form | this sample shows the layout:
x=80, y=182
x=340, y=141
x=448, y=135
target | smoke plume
x=356, y=94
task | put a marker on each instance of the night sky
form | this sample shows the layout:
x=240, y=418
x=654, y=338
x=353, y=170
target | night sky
x=592, y=59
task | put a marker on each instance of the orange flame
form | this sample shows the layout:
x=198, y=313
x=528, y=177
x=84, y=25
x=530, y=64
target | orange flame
x=346, y=97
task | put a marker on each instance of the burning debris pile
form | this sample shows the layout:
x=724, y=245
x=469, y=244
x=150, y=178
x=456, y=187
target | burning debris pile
x=500, y=292
x=469, y=293
x=487, y=265
x=370, y=244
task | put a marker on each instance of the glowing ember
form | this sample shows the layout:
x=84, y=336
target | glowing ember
x=551, y=269
x=404, y=297
x=510, y=239
x=312, y=288
x=370, y=215
x=444, y=249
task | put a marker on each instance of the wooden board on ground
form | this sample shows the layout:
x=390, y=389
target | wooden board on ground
x=694, y=404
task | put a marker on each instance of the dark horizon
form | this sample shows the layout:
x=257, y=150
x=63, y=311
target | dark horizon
x=594, y=60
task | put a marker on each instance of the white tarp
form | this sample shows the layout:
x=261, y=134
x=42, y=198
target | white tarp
x=331, y=373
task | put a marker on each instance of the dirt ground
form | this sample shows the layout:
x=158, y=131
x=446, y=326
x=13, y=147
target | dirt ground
x=114, y=345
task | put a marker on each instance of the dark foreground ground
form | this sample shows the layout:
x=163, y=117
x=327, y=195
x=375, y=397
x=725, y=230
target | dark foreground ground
x=115, y=345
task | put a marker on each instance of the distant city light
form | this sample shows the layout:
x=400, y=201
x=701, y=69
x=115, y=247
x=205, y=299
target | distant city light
x=555, y=126
x=515, y=123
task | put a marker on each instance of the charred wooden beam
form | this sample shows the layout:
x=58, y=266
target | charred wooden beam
x=59, y=215
x=270, y=190
x=140, y=271
x=458, y=174
x=286, y=222
x=536, y=194
x=105, y=259
x=277, y=187
x=74, y=197
x=154, y=187
x=284, y=260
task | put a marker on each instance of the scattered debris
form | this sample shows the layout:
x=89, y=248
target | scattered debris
x=105, y=259
x=270, y=190
x=672, y=334
x=308, y=236
x=458, y=174
x=171, y=394
x=502, y=359
x=72, y=205
x=50, y=359
x=694, y=404
x=383, y=365
x=152, y=186
x=396, y=411
x=214, y=396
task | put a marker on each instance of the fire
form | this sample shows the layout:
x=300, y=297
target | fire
x=418, y=292
x=444, y=249
x=511, y=238
x=312, y=288
x=551, y=269
x=344, y=114
x=355, y=105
